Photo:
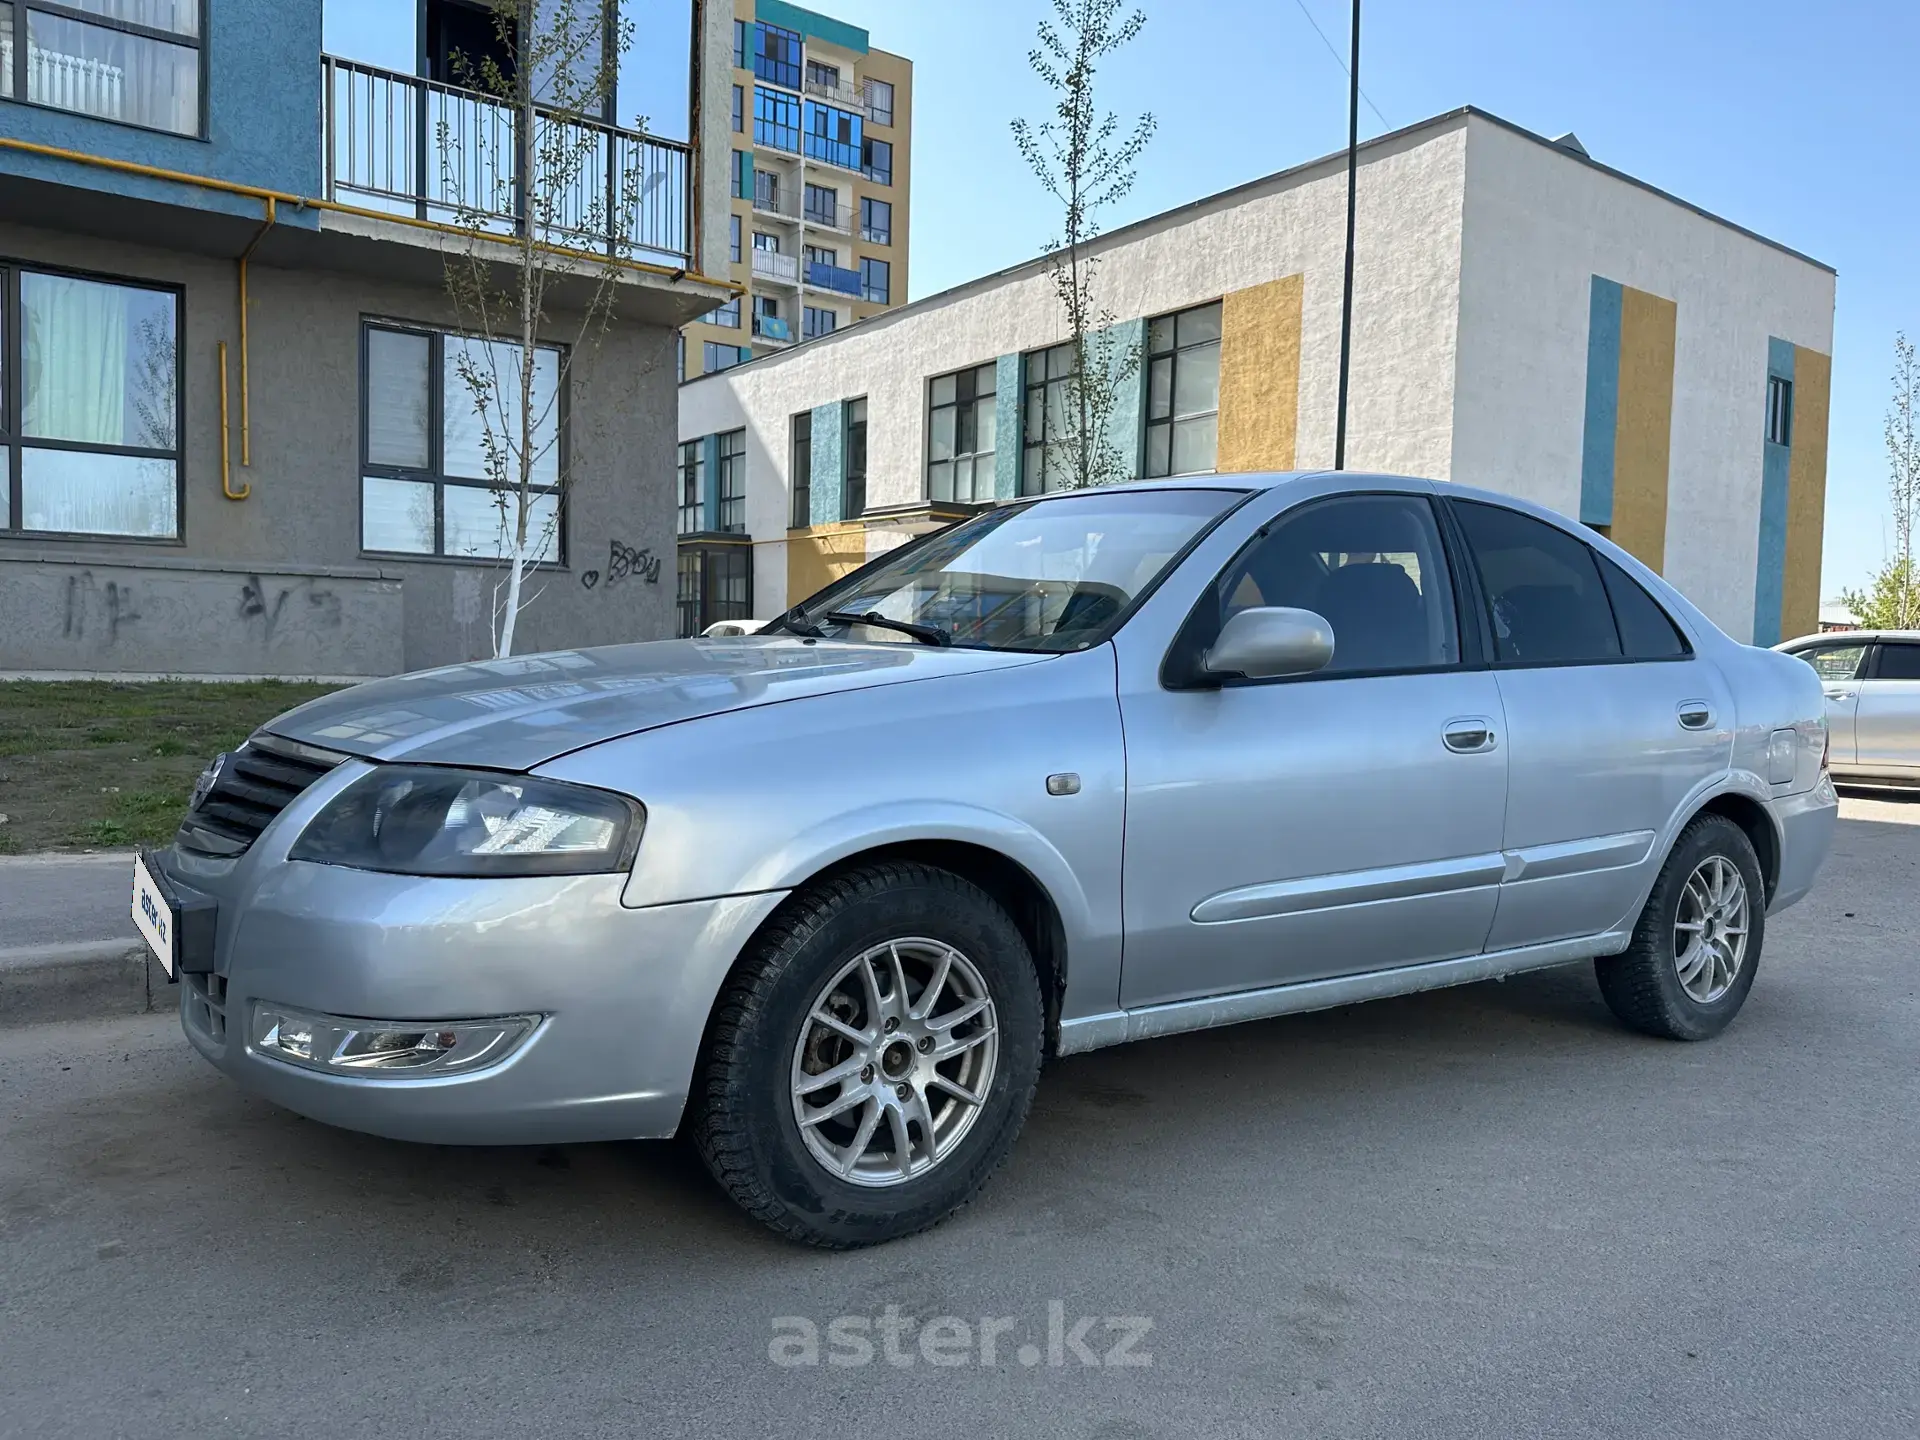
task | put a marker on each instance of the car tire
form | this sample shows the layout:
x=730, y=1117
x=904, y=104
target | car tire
x=1662, y=984
x=763, y=1140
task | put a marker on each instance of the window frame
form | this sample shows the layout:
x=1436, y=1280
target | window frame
x=810, y=212
x=14, y=442
x=959, y=405
x=435, y=470
x=799, y=489
x=875, y=173
x=764, y=60
x=866, y=282
x=771, y=120
x=1467, y=566
x=689, y=470
x=849, y=511
x=1779, y=411
x=874, y=112
x=1167, y=421
x=730, y=504
x=739, y=109
x=808, y=331
x=735, y=235
x=872, y=235
x=196, y=42
x=1028, y=387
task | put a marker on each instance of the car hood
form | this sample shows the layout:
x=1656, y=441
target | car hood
x=518, y=713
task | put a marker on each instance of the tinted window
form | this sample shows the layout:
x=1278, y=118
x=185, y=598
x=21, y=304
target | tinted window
x=1544, y=595
x=1646, y=633
x=1372, y=565
x=1834, y=662
x=1899, y=662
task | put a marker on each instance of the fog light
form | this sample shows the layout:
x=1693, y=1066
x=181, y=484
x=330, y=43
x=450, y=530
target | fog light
x=384, y=1047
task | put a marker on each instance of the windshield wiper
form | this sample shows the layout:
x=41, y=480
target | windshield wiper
x=925, y=634
x=796, y=621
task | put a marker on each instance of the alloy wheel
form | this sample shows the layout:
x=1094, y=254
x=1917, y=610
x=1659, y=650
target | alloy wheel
x=1710, y=929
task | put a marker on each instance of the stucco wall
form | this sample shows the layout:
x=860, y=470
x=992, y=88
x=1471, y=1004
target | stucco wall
x=303, y=512
x=1410, y=199
x=1539, y=225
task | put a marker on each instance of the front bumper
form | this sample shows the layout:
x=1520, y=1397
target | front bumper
x=622, y=994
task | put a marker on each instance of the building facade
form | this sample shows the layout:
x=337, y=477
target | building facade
x=819, y=126
x=235, y=434
x=1525, y=319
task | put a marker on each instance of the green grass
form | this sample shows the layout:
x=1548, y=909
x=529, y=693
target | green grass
x=94, y=764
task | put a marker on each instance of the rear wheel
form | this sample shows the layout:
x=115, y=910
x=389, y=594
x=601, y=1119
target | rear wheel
x=872, y=1058
x=1697, y=944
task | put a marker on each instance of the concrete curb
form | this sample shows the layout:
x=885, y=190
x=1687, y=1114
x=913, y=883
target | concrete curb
x=87, y=980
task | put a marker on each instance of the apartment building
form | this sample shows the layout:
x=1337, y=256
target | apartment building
x=233, y=438
x=1525, y=318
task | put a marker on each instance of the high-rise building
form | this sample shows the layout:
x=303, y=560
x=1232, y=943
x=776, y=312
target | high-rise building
x=817, y=225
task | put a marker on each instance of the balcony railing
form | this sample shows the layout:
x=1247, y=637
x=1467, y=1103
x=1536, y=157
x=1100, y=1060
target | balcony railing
x=410, y=146
x=772, y=265
x=837, y=278
x=783, y=203
x=831, y=216
x=845, y=96
x=772, y=327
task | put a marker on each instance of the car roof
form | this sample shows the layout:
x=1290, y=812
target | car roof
x=1850, y=637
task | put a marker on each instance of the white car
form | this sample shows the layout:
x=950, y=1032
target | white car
x=1872, y=684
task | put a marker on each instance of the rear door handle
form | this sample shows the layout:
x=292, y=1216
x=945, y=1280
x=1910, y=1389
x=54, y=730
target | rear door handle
x=1839, y=694
x=1472, y=735
x=1695, y=714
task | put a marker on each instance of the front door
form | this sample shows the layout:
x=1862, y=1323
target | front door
x=1839, y=665
x=1887, y=732
x=1291, y=830
x=1612, y=722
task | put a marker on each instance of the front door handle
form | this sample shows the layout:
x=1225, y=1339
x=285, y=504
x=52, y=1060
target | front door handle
x=1695, y=714
x=1472, y=735
x=1838, y=694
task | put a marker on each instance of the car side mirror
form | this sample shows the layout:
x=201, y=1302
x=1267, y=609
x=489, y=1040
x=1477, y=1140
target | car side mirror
x=1270, y=641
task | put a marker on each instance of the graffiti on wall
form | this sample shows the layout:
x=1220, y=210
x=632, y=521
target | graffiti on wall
x=263, y=608
x=625, y=563
x=107, y=607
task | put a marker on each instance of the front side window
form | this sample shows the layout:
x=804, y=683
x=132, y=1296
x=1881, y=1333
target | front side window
x=877, y=161
x=443, y=442
x=137, y=62
x=1372, y=566
x=1834, y=662
x=692, y=480
x=1546, y=602
x=880, y=102
x=1057, y=574
x=776, y=119
x=94, y=447
x=1044, y=461
x=854, y=499
x=876, y=221
x=962, y=431
x=876, y=281
x=733, y=482
x=1898, y=661
x=1183, y=391
x=800, y=468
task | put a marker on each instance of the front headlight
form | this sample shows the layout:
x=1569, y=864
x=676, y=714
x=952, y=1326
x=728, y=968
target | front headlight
x=422, y=820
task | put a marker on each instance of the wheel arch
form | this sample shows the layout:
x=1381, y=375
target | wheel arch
x=1758, y=824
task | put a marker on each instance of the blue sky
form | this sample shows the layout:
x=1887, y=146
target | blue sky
x=1793, y=120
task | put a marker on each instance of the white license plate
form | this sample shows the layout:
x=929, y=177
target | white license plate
x=153, y=916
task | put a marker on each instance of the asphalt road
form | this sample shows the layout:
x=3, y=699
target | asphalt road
x=1485, y=1212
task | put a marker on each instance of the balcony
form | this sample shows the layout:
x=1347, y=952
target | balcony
x=408, y=146
x=772, y=329
x=772, y=265
x=845, y=96
x=837, y=278
x=778, y=204
x=830, y=217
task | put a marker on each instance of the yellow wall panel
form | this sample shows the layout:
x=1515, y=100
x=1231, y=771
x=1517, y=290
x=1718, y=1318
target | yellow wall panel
x=1643, y=433
x=819, y=556
x=1260, y=376
x=1806, y=493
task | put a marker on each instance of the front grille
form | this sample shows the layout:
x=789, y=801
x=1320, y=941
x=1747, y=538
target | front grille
x=206, y=1006
x=259, y=780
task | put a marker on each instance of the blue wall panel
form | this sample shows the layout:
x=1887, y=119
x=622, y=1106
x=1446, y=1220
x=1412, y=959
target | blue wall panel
x=1008, y=371
x=1770, y=573
x=828, y=482
x=1603, y=403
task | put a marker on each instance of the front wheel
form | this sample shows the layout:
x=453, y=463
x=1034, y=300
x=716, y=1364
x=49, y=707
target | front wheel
x=872, y=1058
x=1697, y=944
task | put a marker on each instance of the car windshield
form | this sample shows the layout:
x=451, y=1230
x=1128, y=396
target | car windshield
x=1055, y=574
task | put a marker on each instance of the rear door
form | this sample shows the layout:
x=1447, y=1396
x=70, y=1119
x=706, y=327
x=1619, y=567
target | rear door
x=1839, y=665
x=1887, y=730
x=1612, y=722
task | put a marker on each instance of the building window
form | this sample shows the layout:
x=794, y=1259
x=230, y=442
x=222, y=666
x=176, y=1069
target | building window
x=801, y=469
x=822, y=205
x=818, y=320
x=680, y=357
x=877, y=161
x=853, y=500
x=739, y=110
x=1183, y=391
x=727, y=315
x=1779, y=410
x=833, y=135
x=1044, y=461
x=692, y=483
x=876, y=221
x=714, y=582
x=440, y=426
x=723, y=357
x=820, y=254
x=733, y=238
x=733, y=482
x=740, y=28
x=764, y=241
x=94, y=446
x=743, y=176
x=766, y=191
x=767, y=321
x=776, y=55
x=827, y=76
x=961, y=431
x=876, y=281
x=776, y=119
x=120, y=60
x=880, y=102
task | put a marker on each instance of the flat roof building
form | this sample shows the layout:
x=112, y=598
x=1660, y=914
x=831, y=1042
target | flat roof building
x=1525, y=318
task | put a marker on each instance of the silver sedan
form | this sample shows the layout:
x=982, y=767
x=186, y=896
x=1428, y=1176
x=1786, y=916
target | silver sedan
x=1077, y=771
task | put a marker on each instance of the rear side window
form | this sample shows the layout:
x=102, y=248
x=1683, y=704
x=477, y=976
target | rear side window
x=1646, y=631
x=1834, y=662
x=1545, y=599
x=1899, y=662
